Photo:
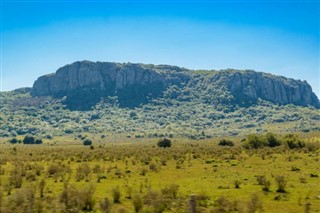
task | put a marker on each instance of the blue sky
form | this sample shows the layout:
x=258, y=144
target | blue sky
x=279, y=37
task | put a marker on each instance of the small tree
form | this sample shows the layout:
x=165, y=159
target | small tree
x=38, y=141
x=226, y=142
x=164, y=143
x=255, y=141
x=293, y=141
x=28, y=140
x=272, y=140
x=87, y=142
x=14, y=141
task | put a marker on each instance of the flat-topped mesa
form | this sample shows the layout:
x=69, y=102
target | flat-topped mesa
x=84, y=83
x=103, y=75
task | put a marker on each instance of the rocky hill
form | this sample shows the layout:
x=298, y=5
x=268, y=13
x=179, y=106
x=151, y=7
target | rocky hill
x=138, y=100
x=85, y=83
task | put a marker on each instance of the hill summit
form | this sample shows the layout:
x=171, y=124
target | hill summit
x=84, y=83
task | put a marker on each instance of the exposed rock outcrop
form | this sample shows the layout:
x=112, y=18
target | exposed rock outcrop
x=100, y=75
x=84, y=83
x=250, y=85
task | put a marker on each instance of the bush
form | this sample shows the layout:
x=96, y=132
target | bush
x=83, y=172
x=272, y=140
x=262, y=180
x=105, y=205
x=225, y=142
x=293, y=141
x=137, y=203
x=170, y=191
x=116, y=194
x=31, y=140
x=14, y=141
x=86, y=196
x=38, y=141
x=164, y=143
x=87, y=142
x=281, y=182
x=222, y=204
x=28, y=140
x=255, y=141
x=155, y=202
x=255, y=204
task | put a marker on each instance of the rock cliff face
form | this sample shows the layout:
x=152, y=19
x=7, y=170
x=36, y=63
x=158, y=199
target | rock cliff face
x=252, y=85
x=100, y=75
x=84, y=83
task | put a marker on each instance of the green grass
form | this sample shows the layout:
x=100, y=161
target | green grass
x=204, y=169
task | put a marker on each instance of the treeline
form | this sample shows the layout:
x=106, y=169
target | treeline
x=256, y=141
x=27, y=140
x=252, y=141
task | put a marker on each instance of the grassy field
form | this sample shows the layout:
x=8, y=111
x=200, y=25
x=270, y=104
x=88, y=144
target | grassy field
x=138, y=176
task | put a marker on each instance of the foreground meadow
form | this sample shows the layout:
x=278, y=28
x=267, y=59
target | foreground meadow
x=138, y=176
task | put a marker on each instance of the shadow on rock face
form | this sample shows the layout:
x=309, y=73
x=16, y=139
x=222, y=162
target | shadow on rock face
x=129, y=97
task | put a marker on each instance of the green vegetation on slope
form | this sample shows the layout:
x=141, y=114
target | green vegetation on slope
x=170, y=116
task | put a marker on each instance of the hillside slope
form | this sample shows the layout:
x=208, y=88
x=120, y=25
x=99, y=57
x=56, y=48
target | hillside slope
x=137, y=100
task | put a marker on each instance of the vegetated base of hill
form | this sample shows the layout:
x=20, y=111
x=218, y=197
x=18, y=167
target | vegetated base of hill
x=162, y=117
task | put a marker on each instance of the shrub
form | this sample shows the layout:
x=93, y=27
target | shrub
x=237, y=184
x=86, y=195
x=16, y=176
x=105, y=206
x=83, y=172
x=281, y=182
x=255, y=141
x=128, y=192
x=68, y=131
x=28, y=140
x=116, y=194
x=137, y=203
x=70, y=199
x=87, y=142
x=293, y=141
x=170, y=191
x=255, y=204
x=14, y=140
x=155, y=201
x=262, y=180
x=153, y=167
x=203, y=200
x=143, y=171
x=222, y=204
x=225, y=142
x=272, y=140
x=164, y=143
x=38, y=141
x=53, y=169
x=42, y=185
x=31, y=140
